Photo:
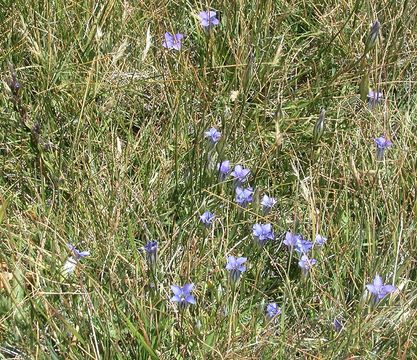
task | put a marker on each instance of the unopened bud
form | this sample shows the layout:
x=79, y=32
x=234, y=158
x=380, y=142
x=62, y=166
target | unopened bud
x=319, y=127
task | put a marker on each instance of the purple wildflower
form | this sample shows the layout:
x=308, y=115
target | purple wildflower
x=337, y=325
x=76, y=253
x=382, y=143
x=240, y=174
x=303, y=246
x=235, y=267
x=207, y=218
x=272, y=311
x=291, y=239
x=151, y=249
x=244, y=196
x=378, y=289
x=172, y=41
x=213, y=135
x=262, y=233
x=320, y=240
x=297, y=242
x=182, y=295
x=374, y=98
x=208, y=19
x=267, y=203
x=224, y=169
x=306, y=264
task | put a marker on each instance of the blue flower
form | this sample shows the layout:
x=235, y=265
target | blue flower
x=378, y=289
x=151, y=249
x=262, y=233
x=306, y=264
x=207, y=218
x=72, y=261
x=172, y=41
x=382, y=143
x=208, y=19
x=244, y=196
x=240, y=174
x=320, y=240
x=272, y=311
x=182, y=295
x=297, y=243
x=337, y=325
x=374, y=97
x=235, y=267
x=76, y=253
x=224, y=169
x=303, y=246
x=267, y=203
x=291, y=239
x=213, y=135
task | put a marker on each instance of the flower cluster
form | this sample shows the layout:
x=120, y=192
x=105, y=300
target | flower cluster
x=262, y=233
x=208, y=19
x=303, y=247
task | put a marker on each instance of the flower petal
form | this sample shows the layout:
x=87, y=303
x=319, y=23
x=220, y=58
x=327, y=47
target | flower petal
x=190, y=299
x=176, y=289
x=388, y=288
x=187, y=288
x=211, y=14
x=372, y=289
x=378, y=281
x=203, y=15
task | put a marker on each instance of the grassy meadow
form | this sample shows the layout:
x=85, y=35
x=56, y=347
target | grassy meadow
x=104, y=146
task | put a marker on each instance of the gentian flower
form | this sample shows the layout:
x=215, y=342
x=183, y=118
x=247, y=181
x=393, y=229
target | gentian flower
x=374, y=97
x=291, y=239
x=240, y=174
x=172, y=41
x=224, y=169
x=320, y=240
x=244, y=196
x=262, y=233
x=213, y=135
x=208, y=19
x=272, y=311
x=303, y=246
x=207, y=218
x=306, y=264
x=76, y=253
x=72, y=261
x=182, y=295
x=267, y=203
x=235, y=267
x=382, y=144
x=151, y=249
x=378, y=289
x=337, y=325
